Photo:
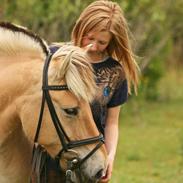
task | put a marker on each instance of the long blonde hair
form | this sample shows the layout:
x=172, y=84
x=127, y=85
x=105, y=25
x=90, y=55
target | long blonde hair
x=108, y=16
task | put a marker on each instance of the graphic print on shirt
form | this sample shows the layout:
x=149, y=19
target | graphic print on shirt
x=108, y=80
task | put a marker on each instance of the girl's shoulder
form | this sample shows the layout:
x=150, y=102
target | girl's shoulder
x=55, y=46
x=113, y=62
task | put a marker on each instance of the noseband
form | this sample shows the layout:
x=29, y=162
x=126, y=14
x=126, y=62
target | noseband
x=67, y=143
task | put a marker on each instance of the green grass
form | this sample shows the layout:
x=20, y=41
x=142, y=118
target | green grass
x=150, y=146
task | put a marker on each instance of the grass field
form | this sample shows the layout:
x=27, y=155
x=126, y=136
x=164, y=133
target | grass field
x=150, y=146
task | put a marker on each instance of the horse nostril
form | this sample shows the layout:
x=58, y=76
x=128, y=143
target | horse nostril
x=99, y=174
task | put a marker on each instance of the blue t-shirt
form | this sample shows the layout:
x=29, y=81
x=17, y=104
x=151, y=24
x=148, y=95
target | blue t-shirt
x=112, y=88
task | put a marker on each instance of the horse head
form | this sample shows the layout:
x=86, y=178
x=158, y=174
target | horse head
x=49, y=100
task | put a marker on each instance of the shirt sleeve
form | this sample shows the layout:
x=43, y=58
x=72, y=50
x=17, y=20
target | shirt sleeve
x=120, y=95
x=53, y=48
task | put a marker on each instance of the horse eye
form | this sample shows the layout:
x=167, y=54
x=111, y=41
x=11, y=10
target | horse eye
x=71, y=111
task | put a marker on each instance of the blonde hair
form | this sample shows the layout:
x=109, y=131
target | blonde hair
x=103, y=15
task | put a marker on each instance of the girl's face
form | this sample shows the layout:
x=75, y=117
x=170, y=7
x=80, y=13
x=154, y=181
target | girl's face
x=97, y=42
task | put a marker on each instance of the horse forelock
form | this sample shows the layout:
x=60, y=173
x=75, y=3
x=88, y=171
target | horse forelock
x=75, y=68
x=16, y=40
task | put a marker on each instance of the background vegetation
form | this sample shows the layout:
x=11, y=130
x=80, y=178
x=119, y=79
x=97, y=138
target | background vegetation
x=151, y=128
x=151, y=136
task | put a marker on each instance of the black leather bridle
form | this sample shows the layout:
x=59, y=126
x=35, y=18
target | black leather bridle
x=66, y=142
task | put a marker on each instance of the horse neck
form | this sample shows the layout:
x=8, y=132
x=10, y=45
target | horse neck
x=15, y=156
x=17, y=79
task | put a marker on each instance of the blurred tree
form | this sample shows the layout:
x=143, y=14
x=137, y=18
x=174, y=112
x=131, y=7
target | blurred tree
x=157, y=33
x=53, y=20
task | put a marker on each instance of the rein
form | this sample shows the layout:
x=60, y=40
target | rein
x=67, y=144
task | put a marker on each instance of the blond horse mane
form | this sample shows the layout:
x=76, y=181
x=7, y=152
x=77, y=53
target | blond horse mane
x=75, y=68
x=73, y=64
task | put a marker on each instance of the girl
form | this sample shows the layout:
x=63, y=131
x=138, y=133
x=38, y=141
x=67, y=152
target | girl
x=102, y=30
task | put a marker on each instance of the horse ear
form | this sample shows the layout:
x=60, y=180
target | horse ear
x=87, y=48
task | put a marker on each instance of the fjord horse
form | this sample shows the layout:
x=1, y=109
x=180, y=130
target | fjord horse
x=61, y=91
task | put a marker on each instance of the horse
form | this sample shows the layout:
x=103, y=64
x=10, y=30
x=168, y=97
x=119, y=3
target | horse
x=45, y=104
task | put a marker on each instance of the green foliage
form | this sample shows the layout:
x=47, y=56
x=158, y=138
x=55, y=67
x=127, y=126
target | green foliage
x=150, y=148
x=53, y=20
x=150, y=144
x=152, y=75
x=150, y=80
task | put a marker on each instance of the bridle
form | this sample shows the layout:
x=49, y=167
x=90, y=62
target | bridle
x=66, y=142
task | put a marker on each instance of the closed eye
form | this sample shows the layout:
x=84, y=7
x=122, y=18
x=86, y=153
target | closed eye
x=71, y=111
x=90, y=38
x=103, y=43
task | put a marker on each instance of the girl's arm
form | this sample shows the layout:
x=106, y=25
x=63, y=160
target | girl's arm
x=111, y=139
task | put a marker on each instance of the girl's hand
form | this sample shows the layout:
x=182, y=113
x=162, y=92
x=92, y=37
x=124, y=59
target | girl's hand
x=106, y=178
